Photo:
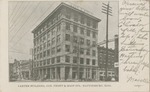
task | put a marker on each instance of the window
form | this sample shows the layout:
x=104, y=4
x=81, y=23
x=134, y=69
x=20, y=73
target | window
x=35, y=42
x=67, y=26
x=58, y=59
x=54, y=20
x=53, y=41
x=41, y=47
x=75, y=17
x=82, y=30
x=87, y=61
x=53, y=50
x=88, y=52
x=81, y=60
x=74, y=49
x=82, y=20
x=48, y=43
x=41, y=30
x=93, y=62
x=81, y=51
x=94, y=35
x=94, y=44
x=48, y=61
x=101, y=73
x=94, y=25
x=81, y=40
x=38, y=40
x=44, y=55
x=38, y=48
x=45, y=27
x=35, y=35
x=58, y=16
x=74, y=73
x=40, y=55
x=44, y=45
x=53, y=60
x=67, y=48
x=35, y=57
x=67, y=37
x=53, y=31
x=35, y=64
x=48, y=35
x=59, y=48
x=75, y=39
x=44, y=62
x=58, y=27
x=75, y=28
x=88, y=22
x=74, y=59
x=67, y=59
x=41, y=39
x=88, y=42
x=34, y=50
x=49, y=23
x=48, y=52
x=44, y=37
x=68, y=14
x=58, y=38
x=93, y=53
x=88, y=32
x=40, y=63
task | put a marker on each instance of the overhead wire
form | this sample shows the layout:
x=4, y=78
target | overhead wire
x=18, y=18
x=19, y=7
x=34, y=23
x=24, y=22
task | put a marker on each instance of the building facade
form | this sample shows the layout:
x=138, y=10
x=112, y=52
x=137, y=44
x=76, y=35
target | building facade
x=20, y=70
x=112, y=69
x=26, y=69
x=116, y=58
x=102, y=63
x=62, y=45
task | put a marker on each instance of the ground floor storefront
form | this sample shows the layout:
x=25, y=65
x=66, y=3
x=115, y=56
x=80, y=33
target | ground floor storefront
x=110, y=75
x=66, y=73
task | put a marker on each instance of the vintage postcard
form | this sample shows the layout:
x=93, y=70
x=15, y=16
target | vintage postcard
x=75, y=46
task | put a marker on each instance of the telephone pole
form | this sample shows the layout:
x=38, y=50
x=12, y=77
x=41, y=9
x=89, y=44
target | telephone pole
x=106, y=9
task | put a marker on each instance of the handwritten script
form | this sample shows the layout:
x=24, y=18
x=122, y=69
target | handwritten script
x=134, y=38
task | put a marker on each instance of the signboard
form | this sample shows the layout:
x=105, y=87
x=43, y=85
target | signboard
x=116, y=64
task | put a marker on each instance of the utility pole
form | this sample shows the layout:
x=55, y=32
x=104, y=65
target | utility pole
x=106, y=9
x=32, y=62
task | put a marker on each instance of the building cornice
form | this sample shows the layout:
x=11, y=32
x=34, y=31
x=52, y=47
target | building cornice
x=69, y=6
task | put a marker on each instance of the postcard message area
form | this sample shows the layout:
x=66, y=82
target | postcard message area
x=134, y=42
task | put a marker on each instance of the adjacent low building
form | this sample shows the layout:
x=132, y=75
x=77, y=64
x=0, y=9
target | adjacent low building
x=20, y=70
x=26, y=69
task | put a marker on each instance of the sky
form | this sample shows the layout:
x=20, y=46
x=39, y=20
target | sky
x=24, y=16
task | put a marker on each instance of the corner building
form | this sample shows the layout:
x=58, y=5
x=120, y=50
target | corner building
x=65, y=45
